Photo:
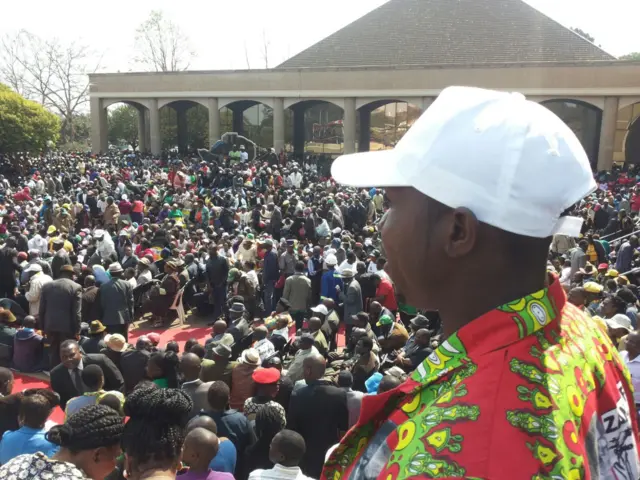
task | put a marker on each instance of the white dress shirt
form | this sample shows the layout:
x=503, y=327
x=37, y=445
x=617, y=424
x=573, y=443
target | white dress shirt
x=634, y=370
x=278, y=472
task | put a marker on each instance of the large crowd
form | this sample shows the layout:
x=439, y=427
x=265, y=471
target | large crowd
x=287, y=267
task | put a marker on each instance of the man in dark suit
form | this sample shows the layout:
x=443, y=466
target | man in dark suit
x=116, y=299
x=66, y=378
x=128, y=259
x=90, y=300
x=190, y=365
x=319, y=413
x=60, y=311
x=134, y=363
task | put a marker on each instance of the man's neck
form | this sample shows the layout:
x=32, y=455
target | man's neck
x=487, y=297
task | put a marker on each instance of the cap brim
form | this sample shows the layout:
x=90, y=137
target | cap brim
x=369, y=169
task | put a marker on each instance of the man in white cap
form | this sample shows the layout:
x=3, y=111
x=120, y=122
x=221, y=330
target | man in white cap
x=244, y=156
x=36, y=282
x=116, y=299
x=525, y=385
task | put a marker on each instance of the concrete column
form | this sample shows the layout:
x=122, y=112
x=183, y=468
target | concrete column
x=143, y=146
x=99, y=142
x=364, y=142
x=608, y=133
x=426, y=102
x=181, y=114
x=349, y=125
x=237, y=122
x=155, y=141
x=298, y=130
x=278, y=124
x=214, y=121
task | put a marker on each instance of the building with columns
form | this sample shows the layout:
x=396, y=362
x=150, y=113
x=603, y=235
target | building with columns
x=404, y=51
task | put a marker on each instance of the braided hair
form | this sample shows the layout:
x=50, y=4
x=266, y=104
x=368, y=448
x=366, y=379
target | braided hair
x=155, y=432
x=90, y=427
x=268, y=422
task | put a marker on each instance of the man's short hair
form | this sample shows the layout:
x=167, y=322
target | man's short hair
x=291, y=445
x=218, y=395
x=92, y=377
x=345, y=379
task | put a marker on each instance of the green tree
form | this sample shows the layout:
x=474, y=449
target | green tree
x=584, y=34
x=25, y=125
x=631, y=57
x=123, y=126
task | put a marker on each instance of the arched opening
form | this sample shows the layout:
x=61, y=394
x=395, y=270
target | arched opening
x=184, y=126
x=627, y=139
x=316, y=128
x=381, y=124
x=127, y=126
x=585, y=121
x=250, y=118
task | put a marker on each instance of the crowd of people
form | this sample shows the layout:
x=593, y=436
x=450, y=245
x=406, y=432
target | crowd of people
x=284, y=265
x=287, y=267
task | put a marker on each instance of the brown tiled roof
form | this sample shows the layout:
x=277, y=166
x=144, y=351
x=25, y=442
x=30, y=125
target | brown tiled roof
x=449, y=32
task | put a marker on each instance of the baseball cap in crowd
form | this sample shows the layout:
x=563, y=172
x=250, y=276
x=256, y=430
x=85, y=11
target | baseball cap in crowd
x=511, y=161
x=384, y=320
x=612, y=273
x=592, y=287
x=619, y=320
x=320, y=309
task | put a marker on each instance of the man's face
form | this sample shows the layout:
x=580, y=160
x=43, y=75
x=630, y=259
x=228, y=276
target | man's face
x=127, y=251
x=70, y=356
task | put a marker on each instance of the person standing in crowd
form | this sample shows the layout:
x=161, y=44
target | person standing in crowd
x=221, y=369
x=93, y=381
x=60, y=311
x=116, y=300
x=319, y=413
x=153, y=438
x=470, y=230
x=231, y=423
x=133, y=363
x=270, y=275
x=37, y=280
x=242, y=384
x=331, y=280
x=298, y=292
x=200, y=448
x=217, y=274
x=351, y=298
x=286, y=453
x=31, y=436
x=88, y=442
x=190, y=365
x=66, y=378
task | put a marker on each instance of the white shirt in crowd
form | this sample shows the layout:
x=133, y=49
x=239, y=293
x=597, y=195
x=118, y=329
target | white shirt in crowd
x=278, y=472
x=347, y=266
x=33, y=295
x=38, y=243
x=244, y=156
x=252, y=275
x=634, y=370
x=144, y=277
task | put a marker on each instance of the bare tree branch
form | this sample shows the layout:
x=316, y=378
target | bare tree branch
x=161, y=45
x=246, y=55
x=265, y=48
x=48, y=72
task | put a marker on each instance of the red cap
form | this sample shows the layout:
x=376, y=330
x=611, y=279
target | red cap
x=265, y=376
x=154, y=338
x=603, y=266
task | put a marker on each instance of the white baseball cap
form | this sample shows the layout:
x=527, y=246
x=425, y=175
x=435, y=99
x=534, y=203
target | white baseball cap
x=511, y=161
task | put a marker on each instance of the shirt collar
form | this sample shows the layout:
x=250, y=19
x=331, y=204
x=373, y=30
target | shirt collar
x=79, y=367
x=494, y=330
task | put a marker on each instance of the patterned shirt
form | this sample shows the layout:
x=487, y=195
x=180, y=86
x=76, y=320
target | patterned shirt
x=531, y=390
x=38, y=467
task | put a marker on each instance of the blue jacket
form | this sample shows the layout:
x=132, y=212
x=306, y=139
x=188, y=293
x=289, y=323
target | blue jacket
x=271, y=271
x=330, y=279
x=25, y=440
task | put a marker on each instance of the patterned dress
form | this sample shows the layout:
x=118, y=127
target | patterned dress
x=38, y=467
x=531, y=390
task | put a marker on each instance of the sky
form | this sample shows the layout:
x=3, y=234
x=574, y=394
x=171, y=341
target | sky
x=220, y=33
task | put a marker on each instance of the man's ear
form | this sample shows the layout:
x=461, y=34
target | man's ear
x=461, y=233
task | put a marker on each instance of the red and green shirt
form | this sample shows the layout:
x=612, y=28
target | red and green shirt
x=531, y=390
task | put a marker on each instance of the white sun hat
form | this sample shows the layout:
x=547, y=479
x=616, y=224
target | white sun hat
x=511, y=161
